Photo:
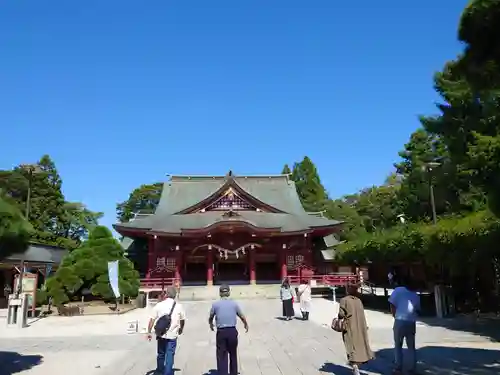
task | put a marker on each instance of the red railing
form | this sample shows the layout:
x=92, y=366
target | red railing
x=326, y=280
x=158, y=282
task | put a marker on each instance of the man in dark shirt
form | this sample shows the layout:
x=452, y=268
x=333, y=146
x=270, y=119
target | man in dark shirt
x=225, y=311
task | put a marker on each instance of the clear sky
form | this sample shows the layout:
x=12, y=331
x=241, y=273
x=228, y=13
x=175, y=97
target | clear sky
x=120, y=93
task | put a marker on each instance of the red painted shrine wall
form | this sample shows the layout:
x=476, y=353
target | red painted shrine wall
x=167, y=256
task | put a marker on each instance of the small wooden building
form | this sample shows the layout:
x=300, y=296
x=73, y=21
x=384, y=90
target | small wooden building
x=40, y=259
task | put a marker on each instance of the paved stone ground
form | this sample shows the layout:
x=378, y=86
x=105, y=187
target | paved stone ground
x=100, y=345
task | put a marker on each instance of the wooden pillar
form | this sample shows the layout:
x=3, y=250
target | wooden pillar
x=151, y=256
x=178, y=264
x=210, y=266
x=283, y=272
x=251, y=266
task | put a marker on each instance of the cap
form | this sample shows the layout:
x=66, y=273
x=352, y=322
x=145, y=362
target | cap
x=224, y=288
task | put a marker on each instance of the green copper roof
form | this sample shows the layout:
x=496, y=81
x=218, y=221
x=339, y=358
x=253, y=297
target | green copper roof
x=177, y=223
x=37, y=253
x=327, y=245
x=181, y=193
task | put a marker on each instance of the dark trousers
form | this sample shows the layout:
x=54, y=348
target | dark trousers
x=165, y=356
x=227, y=347
x=288, y=311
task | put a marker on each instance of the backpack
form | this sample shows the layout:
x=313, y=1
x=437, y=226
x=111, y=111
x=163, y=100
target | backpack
x=163, y=324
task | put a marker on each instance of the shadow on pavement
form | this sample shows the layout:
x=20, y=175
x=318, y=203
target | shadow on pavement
x=484, y=326
x=210, y=372
x=153, y=372
x=375, y=367
x=335, y=369
x=13, y=363
x=440, y=360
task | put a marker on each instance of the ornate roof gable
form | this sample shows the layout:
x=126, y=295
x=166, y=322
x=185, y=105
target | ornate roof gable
x=231, y=196
x=230, y=200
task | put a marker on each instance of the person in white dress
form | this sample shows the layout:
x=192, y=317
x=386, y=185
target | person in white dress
x=305, y=298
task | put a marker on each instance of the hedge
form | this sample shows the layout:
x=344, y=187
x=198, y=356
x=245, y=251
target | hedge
x=452, y=241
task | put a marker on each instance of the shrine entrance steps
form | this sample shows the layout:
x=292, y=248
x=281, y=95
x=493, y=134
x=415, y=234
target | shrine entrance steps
x=210, y=293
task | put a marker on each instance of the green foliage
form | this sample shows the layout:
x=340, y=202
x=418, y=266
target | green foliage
x=469, y=119
x=311, y=191
x=51, y=239
x=87, y=268
x=286, y=170
x=144, y=199
x=42, y=298
x=15, y=230
x=452, y=242
x=343, y=210
x=55, y=221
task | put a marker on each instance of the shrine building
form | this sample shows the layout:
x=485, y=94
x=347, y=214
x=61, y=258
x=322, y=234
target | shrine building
x=229, y=229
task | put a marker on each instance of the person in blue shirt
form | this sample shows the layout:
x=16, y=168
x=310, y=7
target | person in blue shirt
x=226, y=311
x=405, y=306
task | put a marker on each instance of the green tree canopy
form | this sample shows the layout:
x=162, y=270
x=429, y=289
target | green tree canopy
x=286, y=170
x=86, y=268
x=143, y=199
x=15, y=230
x=453, y=242
x=311, y=191
x=55, y=220
x=469, y=118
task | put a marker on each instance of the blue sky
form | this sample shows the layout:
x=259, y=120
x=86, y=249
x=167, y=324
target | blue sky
x=122, y=93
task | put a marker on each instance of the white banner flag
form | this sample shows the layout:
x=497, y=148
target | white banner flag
x=113, y=277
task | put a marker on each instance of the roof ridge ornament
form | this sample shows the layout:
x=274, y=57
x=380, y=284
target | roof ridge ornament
x=230, y=213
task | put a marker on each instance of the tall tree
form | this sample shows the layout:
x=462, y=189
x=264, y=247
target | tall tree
x=143, y=199
x=378, y=207
x=469, y=118
x=286, y=170
x=47, y=200
x=452, y=187
x=311, y=191
x=53, y=218
x=77, y=221
x=343, y=210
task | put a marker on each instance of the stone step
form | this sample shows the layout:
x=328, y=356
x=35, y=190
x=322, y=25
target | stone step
x=208, y=293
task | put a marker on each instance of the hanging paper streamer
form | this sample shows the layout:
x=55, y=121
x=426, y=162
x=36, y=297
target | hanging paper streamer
x=113, y=277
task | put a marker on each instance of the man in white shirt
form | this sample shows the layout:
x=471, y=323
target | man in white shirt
x=405, y=305
x=167, y=343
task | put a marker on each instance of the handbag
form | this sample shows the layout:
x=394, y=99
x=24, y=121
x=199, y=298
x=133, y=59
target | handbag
x=339, y=325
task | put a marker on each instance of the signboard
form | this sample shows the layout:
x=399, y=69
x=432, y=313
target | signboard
x=29, y=286
x=133, y=326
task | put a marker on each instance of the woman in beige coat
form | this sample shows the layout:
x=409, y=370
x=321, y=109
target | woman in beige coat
x=355, y=336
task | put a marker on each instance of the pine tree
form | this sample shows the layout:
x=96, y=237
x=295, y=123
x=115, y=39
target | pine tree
x=311, y=192
x=286, y=170
x=87, y=268
x=15, y=230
